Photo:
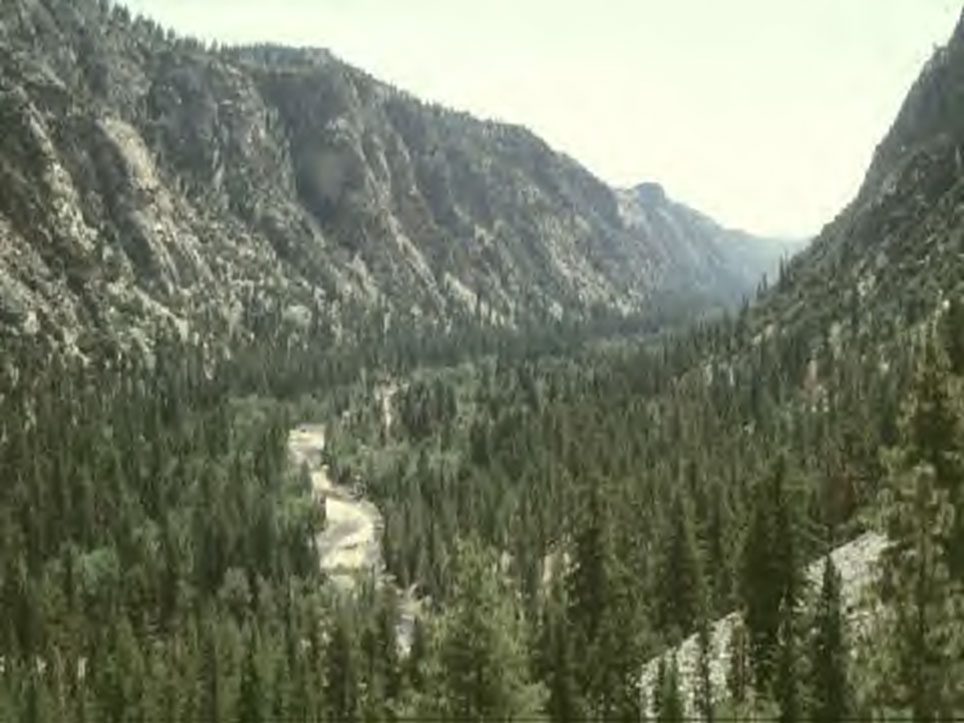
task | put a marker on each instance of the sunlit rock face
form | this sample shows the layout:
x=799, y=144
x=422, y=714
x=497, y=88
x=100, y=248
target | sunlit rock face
x=149, y=181
x=856, y=562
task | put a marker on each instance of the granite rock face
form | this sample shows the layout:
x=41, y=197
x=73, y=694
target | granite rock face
x=146, y=180
x=856, y=562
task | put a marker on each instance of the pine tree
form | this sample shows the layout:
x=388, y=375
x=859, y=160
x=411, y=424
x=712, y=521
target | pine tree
x=589, y=592
x=36, y=705
x=680, y=577
x=480, y=666
x=919, y=583
x=770, y=570
x=923, y=615
x=341, y=690
x=831, y=697
x=388, y=665
x=667, y=698
x=621, y=641
x=556, y=664
x=933, y=435
x=738, y=672
x=219, y=653
x=787, y=674
x=719, y=566
x=8, y=707
x=253, y=702
x=564, y=702
x=704, y=682
x=415, y=664
x=656, y=700
x=953, y=328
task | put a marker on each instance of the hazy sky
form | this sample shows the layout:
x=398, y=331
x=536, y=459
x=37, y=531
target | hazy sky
x=762, y=113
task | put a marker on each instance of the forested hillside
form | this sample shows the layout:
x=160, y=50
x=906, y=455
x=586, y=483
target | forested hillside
x=566, y=510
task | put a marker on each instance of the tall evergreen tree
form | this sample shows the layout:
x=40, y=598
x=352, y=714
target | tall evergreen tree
x=590, y=592
x=556, y=663
x=933, y=434
x=738, y=674
x=253, y=705
x=680, y=579
x=341, y=687
x=787, y=683
x=830, y=690
x=770, y=570
x=414, y=666
x=705, y=705
x=924, y=614
x=480, y=668
x=953, y=332
x=587, y=578
x=667, y=696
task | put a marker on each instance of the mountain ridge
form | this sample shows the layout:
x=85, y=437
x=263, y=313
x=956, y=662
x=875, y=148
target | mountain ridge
x=151, y=181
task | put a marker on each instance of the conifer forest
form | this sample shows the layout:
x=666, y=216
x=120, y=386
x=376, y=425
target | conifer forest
x=237, y=485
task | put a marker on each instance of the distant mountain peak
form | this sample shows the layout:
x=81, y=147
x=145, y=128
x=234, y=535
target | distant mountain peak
x=701, y=255
x=651, y=193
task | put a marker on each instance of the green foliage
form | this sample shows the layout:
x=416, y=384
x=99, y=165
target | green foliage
x=829, y=665
x=788, y=677
x=618, y=496
x=342, y=692
x=919, y=583
x=680, y=574
x=705, y=695
x=556, y=661
x=953, y=335
x=479, y=667
x=667, y=698
x=771, y=578
x=738, y=674
x=629, y=487
x=157, y=559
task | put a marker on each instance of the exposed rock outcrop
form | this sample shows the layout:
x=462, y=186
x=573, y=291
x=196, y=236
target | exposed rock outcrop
x=147, y=180
x=855, y=561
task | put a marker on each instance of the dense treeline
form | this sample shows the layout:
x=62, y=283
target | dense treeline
x=566, y=517
x=152, y=538
x=637, y=494
x=568, y=500
x=157, y=558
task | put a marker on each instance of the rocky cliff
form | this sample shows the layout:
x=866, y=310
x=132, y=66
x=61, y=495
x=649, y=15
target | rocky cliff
x=146, y=180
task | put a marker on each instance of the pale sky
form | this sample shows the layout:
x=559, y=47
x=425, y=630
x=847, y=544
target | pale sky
x=762, y=113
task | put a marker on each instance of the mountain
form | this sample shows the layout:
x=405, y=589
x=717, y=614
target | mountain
x=150, y=181
x=872, y=310
x=893, y=255
x=700, y=255
x=554, y=517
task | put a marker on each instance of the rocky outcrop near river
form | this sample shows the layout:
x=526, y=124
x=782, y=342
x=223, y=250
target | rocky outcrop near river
x=855, y=561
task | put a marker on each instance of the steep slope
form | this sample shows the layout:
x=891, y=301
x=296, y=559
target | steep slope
x=700, y=255
x=891, y=262
x=895, y=254
x=149, y=180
